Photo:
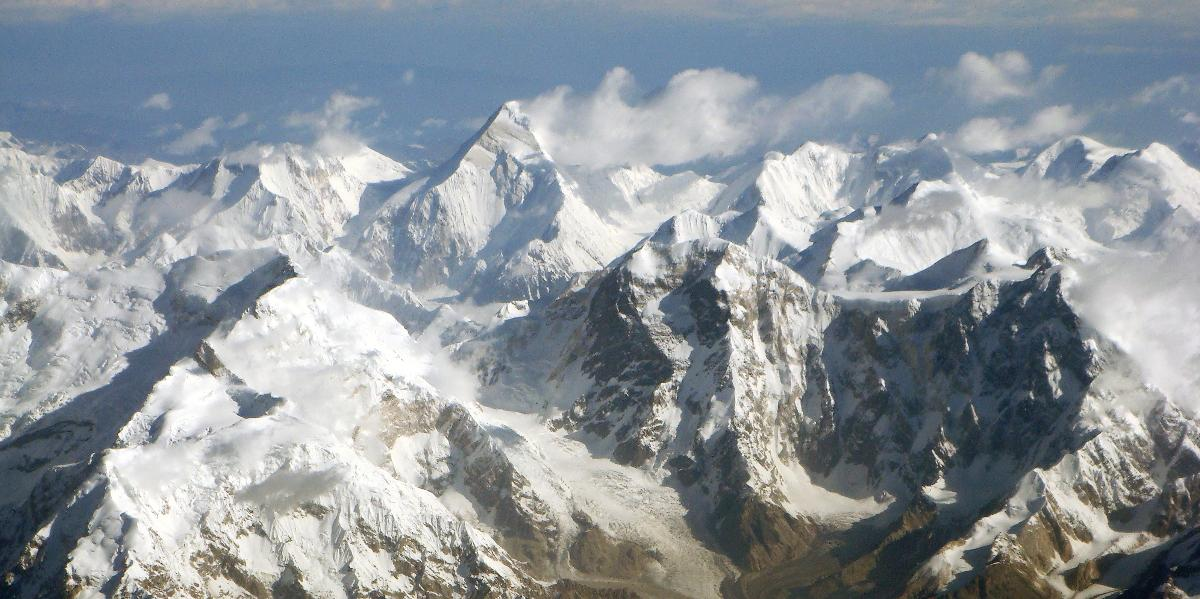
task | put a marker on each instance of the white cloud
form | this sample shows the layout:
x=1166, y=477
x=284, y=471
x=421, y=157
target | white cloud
x=926, y=12
x=58, y=9
x=1115, y=49
x=254, y=153
x=195, y=139
x=698, y=114
x=241, y=120
x=332, y=126
x=1004, y=76
x=204, y=135
x=983, y=135
x=840, y=97
x=1149, y=304
x=473, y=123
x=1167, y=89
x=166, y=129
x=891, y=12
x=408, y=76
x=1178, y=95
x=159, y=101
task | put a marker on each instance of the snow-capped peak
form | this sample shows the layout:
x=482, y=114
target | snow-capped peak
x=508, y=131
x=1073, y=159
x=499, y=220
x=802, y=184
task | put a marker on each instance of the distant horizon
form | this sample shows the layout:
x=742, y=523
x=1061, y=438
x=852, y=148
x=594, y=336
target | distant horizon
x=1188, y=150
x=140, y=79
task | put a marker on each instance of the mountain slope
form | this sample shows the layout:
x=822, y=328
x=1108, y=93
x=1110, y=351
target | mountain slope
x=130, y=520
x=498, y=220
x=790, y=420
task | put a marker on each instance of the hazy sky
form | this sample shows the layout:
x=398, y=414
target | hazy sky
x=675, y=82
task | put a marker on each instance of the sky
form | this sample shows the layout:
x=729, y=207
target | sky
x=604, y=82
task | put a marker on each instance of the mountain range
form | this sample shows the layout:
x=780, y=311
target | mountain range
x=891, y=371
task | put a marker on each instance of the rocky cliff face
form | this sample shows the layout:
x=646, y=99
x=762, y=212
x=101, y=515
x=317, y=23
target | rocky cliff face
x=796, y=425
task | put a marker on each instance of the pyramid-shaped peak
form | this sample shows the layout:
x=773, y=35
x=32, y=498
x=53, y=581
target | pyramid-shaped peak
x=103, y=172
x=92, y=172
x=106, y=166
x=509, y=131
x=511, y=111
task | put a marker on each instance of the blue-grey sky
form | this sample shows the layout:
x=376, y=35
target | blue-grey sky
x=136, y=78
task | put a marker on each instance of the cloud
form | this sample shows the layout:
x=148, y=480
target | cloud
x=252, y=154
x=241, y=120
x=1149, y=305
x=172, y=207
x=1178, y=87
x=24, y=10
x=473, y=123
x=408, y=76
x=431, y=123
x=1004, y=76
x=195, y=139
x=928, y=12
x=1178, y=96
x=891, y=12
x=709, y=113
x=332, y=126
x=1115, y=49
x=204, y=135
x=166, y=129
x=840, y=97
x=984, y=135
x=159, y=101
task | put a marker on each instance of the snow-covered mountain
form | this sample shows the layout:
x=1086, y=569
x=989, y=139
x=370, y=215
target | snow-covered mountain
x=887, y=372
x=499, y=220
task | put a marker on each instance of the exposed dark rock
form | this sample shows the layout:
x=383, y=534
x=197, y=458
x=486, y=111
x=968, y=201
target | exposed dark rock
x=595, y=552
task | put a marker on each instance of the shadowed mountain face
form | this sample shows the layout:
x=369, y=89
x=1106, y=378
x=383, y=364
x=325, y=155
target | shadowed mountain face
x=889, y=373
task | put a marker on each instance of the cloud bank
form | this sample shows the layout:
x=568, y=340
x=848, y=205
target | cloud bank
x=1179, y=87
x=1149, y=305
x=892, y=12
x=709, y=113
x=332, y=126
x=1178, y=96
x=1004, y=76
x=998, y=134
